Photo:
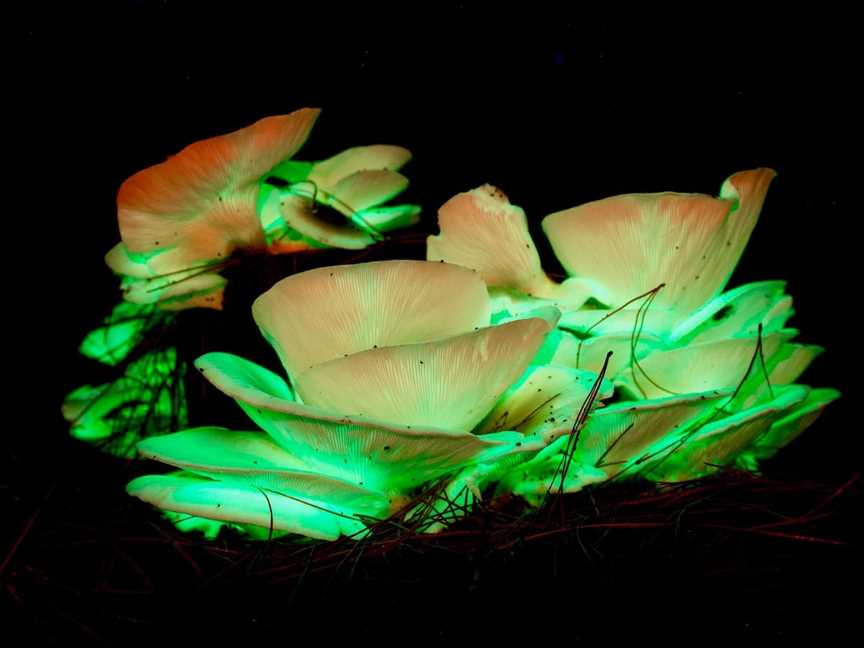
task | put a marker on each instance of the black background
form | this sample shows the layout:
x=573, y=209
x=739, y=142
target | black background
x=554, y=105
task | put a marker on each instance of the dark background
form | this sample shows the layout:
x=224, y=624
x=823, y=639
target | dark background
x=554, y=105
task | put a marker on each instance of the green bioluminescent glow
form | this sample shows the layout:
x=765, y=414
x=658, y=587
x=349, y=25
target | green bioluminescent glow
x=476, y=372
x=147, y=398
x=676, y=338
x=355, y=183
x=347, y=459
x=182, y=220
x=121, y=332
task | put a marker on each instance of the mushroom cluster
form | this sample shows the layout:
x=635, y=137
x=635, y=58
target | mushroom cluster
x=703, y=377
x=188, y=218
x=392, y=370
x=183, y=219
x=476, y=372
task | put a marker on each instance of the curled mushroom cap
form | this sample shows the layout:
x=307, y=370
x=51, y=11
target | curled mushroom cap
x=633, y=243
x=356, y=183
x=482, y=230
x=200, y=204
x=328, y=312
x=183, y=219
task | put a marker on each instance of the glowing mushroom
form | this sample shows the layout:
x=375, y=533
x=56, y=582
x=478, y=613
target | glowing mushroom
x=183, y=219
x=646, y=280
x=433, y=368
